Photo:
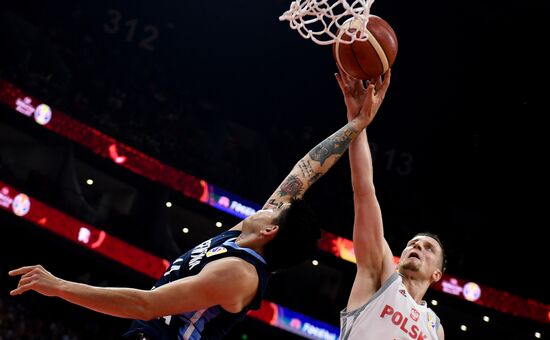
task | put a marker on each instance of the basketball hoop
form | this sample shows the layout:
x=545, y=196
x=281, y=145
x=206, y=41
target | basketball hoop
x=320, y=20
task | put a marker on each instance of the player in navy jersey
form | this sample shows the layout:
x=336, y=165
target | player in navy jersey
x=211, y=287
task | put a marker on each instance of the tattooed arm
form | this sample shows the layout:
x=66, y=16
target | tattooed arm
x=320, y=159
x=364, y=104
x=316, y=163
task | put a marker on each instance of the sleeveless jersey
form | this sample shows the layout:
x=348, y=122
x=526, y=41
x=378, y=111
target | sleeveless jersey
x=209, y=323
x=391, y=314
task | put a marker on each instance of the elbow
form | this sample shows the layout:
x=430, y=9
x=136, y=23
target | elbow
x=146, y=315
x=149, y=318
x=142, y=313
x=144, y=310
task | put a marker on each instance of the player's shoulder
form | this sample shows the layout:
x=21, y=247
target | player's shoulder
x=232, y=265
x=233, y=271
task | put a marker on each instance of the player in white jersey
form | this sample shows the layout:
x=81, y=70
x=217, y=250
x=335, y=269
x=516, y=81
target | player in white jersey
x=384, y=304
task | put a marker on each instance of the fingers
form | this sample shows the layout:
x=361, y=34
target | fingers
x=385, y=83
x=362, y=84
x=342, y=72
x=377, y=83
x=30, y=276
x=26, y=283
x=387, y=77
x=348, y=80
x=370, y=90
x=21, y=289
x=343, y=80
x=346, y=86
x=339, y=80
x=21, y=271
x=26, y=280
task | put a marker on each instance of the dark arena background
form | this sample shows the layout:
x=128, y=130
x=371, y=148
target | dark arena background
x=132, y=130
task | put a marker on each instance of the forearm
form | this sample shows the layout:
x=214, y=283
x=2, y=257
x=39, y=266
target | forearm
x=326, y=153
x=368, y=232
x=361, y=165
x=315, y=164
x=120, y=302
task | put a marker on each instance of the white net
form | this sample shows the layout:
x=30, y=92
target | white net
x=320, y=20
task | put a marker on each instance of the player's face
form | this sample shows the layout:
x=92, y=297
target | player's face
x=422, y=253
x=267, y=217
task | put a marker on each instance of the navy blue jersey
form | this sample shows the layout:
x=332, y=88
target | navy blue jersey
x=213, y=322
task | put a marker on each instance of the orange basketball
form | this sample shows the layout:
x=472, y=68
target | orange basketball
x=366, y=59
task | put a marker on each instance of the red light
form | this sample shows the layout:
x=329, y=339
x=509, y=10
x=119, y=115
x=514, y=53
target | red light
x=205, y=195
x=268, y=313
x=166, y=264
x=70, y=228
x=113, y=153
x=99, y=241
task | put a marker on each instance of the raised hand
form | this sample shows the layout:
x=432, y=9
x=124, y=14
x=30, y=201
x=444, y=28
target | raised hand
x=363, y=99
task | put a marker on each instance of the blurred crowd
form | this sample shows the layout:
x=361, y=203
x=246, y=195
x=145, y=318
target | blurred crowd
x=30, y=317
x=17, y=322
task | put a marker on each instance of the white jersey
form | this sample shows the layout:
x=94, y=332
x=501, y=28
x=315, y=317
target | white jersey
x=391, y=314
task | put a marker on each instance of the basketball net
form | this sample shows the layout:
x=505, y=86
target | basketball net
x=320, y=20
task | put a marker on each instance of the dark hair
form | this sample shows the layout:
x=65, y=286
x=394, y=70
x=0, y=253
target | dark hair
x=296, y=239
x=443, y=256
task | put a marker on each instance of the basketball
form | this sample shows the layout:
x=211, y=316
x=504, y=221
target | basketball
x=368, y=59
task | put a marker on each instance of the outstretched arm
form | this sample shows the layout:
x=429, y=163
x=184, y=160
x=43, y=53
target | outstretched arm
x=314, y=165
x=319, y=160
x=374, y=259
x=229, y=282
x=368, y=232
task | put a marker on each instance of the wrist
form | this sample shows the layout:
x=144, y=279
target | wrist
x=360, y=122
x=351, y=115
x=61, y=287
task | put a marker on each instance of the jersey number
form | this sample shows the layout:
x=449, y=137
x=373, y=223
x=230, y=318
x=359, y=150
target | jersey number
x=167, y=319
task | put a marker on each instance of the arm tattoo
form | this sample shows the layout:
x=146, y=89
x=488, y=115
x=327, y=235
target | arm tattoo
x=305, y=166
x=314, y=178
x=333, y=145
x=274, y=203
x=291, y=186
x=308, y=172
